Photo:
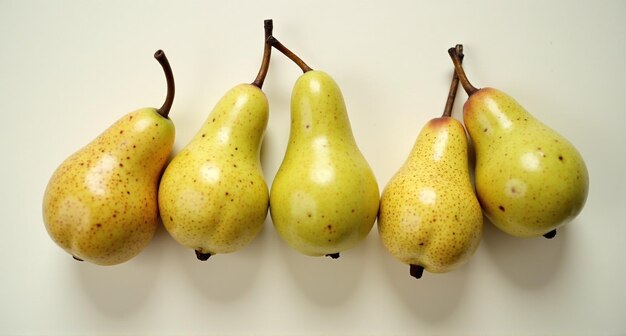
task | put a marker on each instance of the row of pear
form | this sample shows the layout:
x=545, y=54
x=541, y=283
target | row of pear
x=104, y=202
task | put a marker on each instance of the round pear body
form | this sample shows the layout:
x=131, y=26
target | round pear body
x=429, y=215
x=529, y=179
x=324, y=198
x=213, y=197
x=101, y=203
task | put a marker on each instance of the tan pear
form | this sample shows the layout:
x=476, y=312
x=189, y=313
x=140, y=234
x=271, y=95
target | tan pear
x=429, y=216
x=101, y=203
x=213, y=196
x=324, y=198
x=530, y=180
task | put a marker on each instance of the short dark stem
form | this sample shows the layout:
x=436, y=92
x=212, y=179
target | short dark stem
x=550, y=234
x=280, y=47
x=456, y=59
x=416, y=271
x=267, y=53
x=454, y=85
x=202, y=256
x=77, y=258
x=169, y=99
x=333, y=255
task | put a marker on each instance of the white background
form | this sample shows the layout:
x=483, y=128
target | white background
x=69, y=69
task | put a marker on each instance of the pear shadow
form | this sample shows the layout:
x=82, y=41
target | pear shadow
x=224, y=277
x=434, y=296
x=325, y=281
x=529, y=262
x=120, y=290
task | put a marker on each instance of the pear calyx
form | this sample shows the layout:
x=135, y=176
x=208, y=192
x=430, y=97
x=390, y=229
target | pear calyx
x=458, y=68
x=416, y=271
x=268, y=25
x=550, y=234
x=202, y=256
x=169, y=77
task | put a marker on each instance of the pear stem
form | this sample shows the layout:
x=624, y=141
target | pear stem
x=454, y=85
x=281, y=47
x=169, y=99
x=456, y=60
x=267, y=53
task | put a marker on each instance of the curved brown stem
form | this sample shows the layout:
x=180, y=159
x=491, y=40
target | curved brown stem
x=169, y=99
x=267, y=53
x=454, y=85
x=456, y=60
x=285, y=51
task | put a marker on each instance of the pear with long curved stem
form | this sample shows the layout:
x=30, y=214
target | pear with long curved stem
x=213, y=196
x=324, y=198
x=101, y=203
x=429, y=216
x=530, y=180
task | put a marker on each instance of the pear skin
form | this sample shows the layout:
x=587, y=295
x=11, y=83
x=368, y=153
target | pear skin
x=529, y=179
x=429, y=215
x=101, y=203
x=213, y=197
x=324, y=198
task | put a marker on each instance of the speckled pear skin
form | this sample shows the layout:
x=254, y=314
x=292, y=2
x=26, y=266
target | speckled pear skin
x=213, y=196
x=101, y=203
x=429, y=215
x=529, y=179
x=324, y=198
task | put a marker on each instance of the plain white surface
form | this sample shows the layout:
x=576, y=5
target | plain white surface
x=68, y=69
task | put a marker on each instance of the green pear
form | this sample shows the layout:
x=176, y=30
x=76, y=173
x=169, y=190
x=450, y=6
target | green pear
x=429, y=215
x=529, y=179
x=100, y=204
x=213, y=197
x=324, y=198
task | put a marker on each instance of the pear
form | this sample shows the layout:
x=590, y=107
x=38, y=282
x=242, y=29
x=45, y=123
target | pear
x=213, y=197
x=530, y=180
x=429, y=215
x=100, y=204
x=324, y=198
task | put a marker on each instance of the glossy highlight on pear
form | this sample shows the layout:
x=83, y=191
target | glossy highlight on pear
x=100, y=204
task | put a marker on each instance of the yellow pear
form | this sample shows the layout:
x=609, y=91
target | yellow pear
x=213, y=197
x=529, y=179
x=101, y=203
x=429, y=216
x=324, y=198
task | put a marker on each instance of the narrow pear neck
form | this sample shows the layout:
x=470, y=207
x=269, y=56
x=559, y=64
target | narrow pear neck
x=490, y=112
x=318, y=107
x=238, y=120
